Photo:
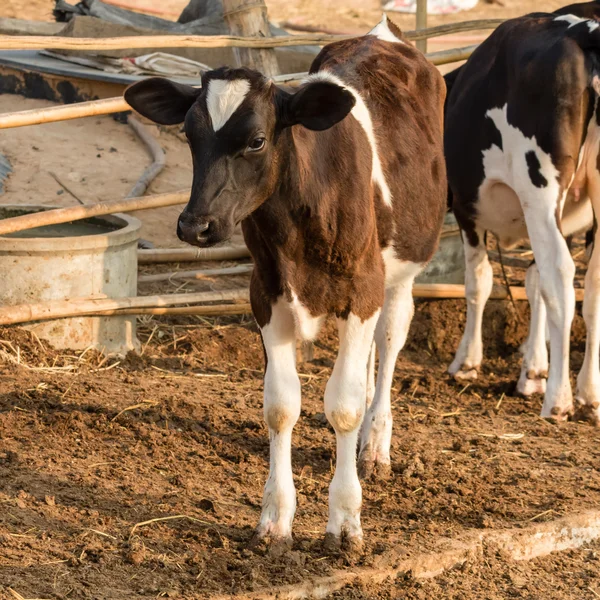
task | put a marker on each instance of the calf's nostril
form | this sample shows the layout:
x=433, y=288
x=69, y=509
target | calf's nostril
x=202, y=227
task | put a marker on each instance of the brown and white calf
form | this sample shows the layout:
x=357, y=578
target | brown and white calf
x=341, y=190
x=522, y=142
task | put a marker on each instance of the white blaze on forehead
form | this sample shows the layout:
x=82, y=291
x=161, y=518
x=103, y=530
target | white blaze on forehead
x=383, y=32
x=361, y=113
x=574, y=20
x=223, y=98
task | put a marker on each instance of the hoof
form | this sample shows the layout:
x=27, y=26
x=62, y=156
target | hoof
x=464, y=370
x=532, y=383
x=558, y=414
x=280, y=547
x=370, y=469
x=589, y=413
x=332, y=544
x=346, y=544
x=465, y=374
x=274, y=546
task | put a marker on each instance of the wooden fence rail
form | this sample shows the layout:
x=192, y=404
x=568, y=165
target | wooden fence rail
x=161, y=304
x=115, y=105
x=15, y=42
x=78, y=212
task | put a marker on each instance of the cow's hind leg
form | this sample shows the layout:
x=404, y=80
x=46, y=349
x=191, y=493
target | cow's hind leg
x=588, y=381
x=478, y=287
x=390, y=336
x=556, y=270
x=344, y=406
x=534, y=370
x=281, y=409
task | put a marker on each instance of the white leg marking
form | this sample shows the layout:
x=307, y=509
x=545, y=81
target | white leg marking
x=588, y=380
x=371, y=376
x=282, y=409
x=383, y=32
x=534, y=370
x=307, y=326
x=478, y=287
x=223, y=98
x=390, y=337
x=344, y=407
x=556, y=282
x=361, y=113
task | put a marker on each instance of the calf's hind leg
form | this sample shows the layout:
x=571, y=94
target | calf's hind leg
x=557, y=270
x=390, y=337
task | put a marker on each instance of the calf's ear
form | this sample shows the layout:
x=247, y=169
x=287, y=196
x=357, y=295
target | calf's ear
x=161, y=100
x=318, y=105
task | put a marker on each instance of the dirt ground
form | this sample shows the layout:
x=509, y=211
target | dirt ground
x=89, y=448
x=571, y=575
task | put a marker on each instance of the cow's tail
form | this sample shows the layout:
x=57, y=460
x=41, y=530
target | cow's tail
x=585, y=32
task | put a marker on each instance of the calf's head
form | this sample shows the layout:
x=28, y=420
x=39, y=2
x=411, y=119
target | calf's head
x=234, y=126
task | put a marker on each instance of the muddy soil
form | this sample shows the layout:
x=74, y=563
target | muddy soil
x=90, y=448
x=570, y=575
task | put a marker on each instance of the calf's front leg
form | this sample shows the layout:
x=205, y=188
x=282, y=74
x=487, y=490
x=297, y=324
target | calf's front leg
x=344, y=407
x=281, y=410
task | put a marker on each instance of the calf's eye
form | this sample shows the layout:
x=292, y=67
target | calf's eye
x=257, y=144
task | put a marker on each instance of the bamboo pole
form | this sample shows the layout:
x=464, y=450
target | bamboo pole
x=203, y=274
x=58, y=309
x=90, y=109
x=443, y=57
x=25, y=313
x=421, y=24
x=447, y=291
x=76, y=213
x=13, y=42
x=63, y=113
x=215, y=310
x=171, y=255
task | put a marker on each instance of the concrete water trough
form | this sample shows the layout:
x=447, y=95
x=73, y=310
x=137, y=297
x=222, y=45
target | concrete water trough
x=93, y=258
x=448, y=263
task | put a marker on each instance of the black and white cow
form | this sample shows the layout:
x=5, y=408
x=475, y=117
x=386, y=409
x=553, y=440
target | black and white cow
x=340, y=187
x=522, y=142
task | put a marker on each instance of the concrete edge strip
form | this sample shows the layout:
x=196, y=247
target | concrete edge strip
x=518, y=544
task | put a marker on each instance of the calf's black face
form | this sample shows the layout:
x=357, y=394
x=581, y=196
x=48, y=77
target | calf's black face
x=234, y=127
